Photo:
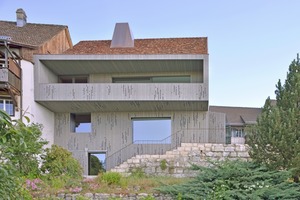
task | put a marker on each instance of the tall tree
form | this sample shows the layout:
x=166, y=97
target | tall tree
x=275, y=140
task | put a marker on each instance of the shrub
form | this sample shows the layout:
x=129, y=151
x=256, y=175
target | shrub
x=111, y=178
x=236, y=180
x=137, y=173
x=163, y=164
x=59, y=161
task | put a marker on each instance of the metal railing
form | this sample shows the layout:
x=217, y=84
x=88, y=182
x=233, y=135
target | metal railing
x=157, y=147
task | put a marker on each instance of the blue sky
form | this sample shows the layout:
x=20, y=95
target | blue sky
x=251, y=43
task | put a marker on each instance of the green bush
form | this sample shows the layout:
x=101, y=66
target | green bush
x=111, y=178
x=59, y=161
x=10, y=186
x=163, y=164
x=236, y=180
x=138, y=173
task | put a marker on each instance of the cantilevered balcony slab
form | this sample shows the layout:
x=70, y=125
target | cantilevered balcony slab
x=123, y=97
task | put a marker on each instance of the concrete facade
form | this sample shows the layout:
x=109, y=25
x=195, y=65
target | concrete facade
x=112, y=106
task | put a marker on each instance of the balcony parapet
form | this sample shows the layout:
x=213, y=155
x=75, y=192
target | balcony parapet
x=9, y=77
x=122, y=92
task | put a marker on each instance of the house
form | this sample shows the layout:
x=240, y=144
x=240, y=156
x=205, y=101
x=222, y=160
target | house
x=122, y=97
x=237, y=119
x=19, y=41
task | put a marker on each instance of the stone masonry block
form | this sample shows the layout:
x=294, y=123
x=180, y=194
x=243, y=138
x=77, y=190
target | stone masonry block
x=229, y=148
x=240, y=147
x=217, y=147
x=195, y=148
x=136, y=160
x=243, y=154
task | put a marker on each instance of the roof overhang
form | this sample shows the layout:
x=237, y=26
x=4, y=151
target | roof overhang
x=92, y=64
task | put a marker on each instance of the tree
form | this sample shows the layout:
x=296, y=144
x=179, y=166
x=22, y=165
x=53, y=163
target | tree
x=235, y=180
x=275, y=140
x=20, y=146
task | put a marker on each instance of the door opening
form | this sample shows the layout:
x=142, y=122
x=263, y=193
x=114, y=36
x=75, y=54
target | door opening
x=96, y=163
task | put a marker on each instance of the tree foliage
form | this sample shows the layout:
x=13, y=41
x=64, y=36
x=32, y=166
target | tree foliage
x=20, y=146
x=275, y=140
x=236, y=180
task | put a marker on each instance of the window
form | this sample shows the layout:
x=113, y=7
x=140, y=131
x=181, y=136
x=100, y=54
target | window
x=154, y=79
x=151, y=130
x=73, y=79
x=80, y=123
x=8, y=106
x=238, y=132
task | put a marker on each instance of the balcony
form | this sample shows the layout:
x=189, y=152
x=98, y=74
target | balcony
x=93, y=97
x=10, y=78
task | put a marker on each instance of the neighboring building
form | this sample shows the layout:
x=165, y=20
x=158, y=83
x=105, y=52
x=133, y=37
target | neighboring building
x=102, y=92
x=237, y=119
x=19, y=41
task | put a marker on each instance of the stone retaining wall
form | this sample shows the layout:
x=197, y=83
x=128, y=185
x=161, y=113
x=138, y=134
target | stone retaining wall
x=102, y=196
x=177, y=162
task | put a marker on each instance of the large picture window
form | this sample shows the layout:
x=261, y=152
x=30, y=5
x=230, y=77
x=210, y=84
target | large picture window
x=151, y=130
x=8, y=106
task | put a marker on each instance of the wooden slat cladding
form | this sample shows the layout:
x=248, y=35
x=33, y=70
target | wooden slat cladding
x=15, y=69
x=58, y=44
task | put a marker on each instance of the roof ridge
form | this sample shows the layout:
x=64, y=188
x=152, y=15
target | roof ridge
x=36, y=23
x=235, y=107
x=149, y=39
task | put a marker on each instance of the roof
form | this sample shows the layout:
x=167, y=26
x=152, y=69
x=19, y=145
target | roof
x=238, y=115
x=197, y=45
x=31, y=34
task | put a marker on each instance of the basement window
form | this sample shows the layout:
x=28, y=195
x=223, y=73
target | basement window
x=7, y=106
x=80, y=123
x=151, y=130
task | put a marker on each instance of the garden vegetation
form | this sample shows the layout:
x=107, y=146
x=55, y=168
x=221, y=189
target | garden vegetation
x=27, y=170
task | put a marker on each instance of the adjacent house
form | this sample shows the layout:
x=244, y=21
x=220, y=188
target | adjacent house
x=121, y=97
x=237, y=119
x=19, y=41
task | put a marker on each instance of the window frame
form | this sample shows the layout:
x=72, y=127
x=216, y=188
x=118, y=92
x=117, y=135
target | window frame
x=5, y=102
x=73, y=79
x=151, y=79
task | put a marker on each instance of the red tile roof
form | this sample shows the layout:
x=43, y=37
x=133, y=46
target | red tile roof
x=144, y=46
x=31, y=34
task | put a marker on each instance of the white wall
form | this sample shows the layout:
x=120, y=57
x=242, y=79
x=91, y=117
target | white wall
x=33, y=110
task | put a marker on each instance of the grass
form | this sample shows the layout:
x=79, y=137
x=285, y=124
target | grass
x=126, y=185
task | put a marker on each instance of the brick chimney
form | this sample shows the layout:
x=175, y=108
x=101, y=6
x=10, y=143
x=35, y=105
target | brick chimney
x=21, y=17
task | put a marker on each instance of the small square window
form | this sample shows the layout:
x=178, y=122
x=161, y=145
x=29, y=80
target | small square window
x=80, y=123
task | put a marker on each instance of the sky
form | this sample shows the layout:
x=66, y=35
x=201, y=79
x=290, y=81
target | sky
x=250, y=43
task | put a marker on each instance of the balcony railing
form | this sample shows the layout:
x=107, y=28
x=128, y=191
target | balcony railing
x=159, y=147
